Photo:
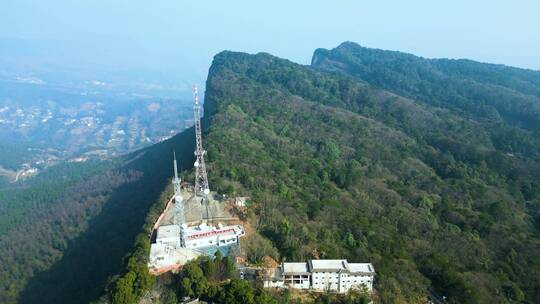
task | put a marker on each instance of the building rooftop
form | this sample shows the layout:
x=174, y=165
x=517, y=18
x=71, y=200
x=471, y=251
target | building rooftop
x=361, y=267
x=157, y=249
x=168, y=231
x=162, y=255
x=328, y=265
x=203, y=230
x=295, y=268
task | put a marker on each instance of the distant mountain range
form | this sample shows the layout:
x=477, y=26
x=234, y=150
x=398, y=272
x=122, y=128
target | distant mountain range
x=428, y=168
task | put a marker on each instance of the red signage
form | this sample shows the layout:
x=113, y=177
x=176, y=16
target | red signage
x=209, y=233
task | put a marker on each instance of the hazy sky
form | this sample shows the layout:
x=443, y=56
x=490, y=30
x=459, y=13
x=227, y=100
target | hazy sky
x=182, y=36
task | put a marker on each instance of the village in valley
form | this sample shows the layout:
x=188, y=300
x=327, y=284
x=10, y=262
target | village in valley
x=199, y=222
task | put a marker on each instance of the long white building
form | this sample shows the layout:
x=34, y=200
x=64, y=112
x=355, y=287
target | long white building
x=323, y=275
x=204, y=235
x=176, y=245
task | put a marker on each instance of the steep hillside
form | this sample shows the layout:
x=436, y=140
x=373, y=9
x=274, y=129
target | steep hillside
x=63, y=234
x=369, y=162
x=504, y=99
x=340, y=168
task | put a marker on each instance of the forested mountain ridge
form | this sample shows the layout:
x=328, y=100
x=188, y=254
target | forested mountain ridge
x=343, y=169
x=64, y=234
x=503, y=102
x=503, y=98
x=437, y=195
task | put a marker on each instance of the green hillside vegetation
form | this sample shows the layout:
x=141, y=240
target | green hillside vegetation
x=429, y=169
x=12, y=155
x=504, y=99
x=339, y=168
x=65, y=233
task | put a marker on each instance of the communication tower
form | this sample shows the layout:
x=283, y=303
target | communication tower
x=178, y=216
x=201, y=179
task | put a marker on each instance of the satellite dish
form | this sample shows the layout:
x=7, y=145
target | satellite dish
x=206, y=191
x=196, y=164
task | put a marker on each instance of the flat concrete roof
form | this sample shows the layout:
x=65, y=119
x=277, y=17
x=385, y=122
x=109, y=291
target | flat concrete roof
x=162, y=256
x=203, y=230
x=361, y=267
x=157, y=249
x=168, y=231
x=328, y=265
x=296, y=268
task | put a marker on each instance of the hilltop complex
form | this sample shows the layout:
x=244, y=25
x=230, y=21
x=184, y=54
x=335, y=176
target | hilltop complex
x=192, y=222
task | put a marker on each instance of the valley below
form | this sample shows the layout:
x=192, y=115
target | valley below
x=43, y=124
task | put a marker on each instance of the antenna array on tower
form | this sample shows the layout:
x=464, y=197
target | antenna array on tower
x=201, y=179
x=178, y=215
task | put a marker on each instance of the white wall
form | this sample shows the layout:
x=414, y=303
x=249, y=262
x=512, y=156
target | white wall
x=298, y=281
x=211, y=241
x=337, y=282
x=323, y=281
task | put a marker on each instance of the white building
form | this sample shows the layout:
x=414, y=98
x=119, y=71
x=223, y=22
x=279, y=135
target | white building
x=204, y=235
x=177, y=245
x=164, y=257
x=296, y=275
x=340, y=276
x=168, y=235
x=323, y=275
x=166, y=253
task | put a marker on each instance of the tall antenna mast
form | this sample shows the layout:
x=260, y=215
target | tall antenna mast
x=178, y=215
x=176, y=181
x=201, y=179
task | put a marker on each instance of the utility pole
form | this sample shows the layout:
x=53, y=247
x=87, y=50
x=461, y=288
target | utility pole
x=201, y=179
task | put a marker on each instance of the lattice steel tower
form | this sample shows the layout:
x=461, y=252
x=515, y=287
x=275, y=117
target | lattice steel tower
x=201, y=179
